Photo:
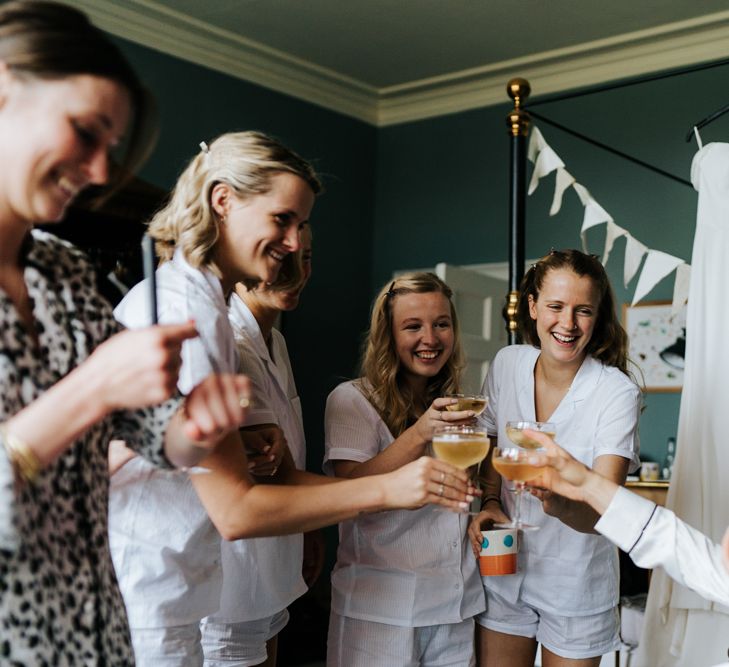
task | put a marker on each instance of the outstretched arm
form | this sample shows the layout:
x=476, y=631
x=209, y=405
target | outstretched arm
x=239, y=508
x=652, y=536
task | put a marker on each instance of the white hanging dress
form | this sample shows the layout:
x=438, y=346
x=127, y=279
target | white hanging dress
x=682, y=629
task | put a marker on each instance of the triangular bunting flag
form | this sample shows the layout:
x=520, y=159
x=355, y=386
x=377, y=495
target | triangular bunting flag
x=563, y=181
x=547, y=162
x=583, y=193
x=613, y=232
x=536, y=144
x=634, y=251
x=681, y=287
x=657, y=265
x=594, y=215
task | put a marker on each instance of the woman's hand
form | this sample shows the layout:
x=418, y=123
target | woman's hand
x=137, y=368
x=428, y=480
x=265, y=446
x=215, y=407
x=437, y=415
x=563, y=474
x=484, y=520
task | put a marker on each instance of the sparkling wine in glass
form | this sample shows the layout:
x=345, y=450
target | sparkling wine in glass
x=461, y=446
x=515, y=432
x=475, y=402
x=513, y=464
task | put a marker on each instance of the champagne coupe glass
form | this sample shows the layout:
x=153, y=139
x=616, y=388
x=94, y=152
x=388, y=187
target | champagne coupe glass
x=461, y=446
x=513, y=462
x=515, y=432
x=475, y=402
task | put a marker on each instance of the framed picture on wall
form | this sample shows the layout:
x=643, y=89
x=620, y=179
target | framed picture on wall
x=657, y=343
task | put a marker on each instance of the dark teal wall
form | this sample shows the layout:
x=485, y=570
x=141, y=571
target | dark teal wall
x=197, y=104
x=442, y=189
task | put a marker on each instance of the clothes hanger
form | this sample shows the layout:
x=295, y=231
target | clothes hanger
x=705, y=121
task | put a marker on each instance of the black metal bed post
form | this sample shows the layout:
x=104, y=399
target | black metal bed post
x=518, y=123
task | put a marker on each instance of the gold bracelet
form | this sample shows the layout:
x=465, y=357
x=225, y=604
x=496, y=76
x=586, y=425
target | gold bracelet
x=24, y=460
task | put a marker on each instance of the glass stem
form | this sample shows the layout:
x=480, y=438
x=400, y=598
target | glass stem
x=518, y=489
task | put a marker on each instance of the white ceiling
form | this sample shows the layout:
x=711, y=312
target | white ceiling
x=390, y=61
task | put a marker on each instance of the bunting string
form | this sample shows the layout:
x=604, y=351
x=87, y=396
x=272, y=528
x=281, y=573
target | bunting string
x=657, y=264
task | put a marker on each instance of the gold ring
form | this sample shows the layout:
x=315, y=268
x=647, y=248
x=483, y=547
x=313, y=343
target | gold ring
x=244, y=402
x=441, y=488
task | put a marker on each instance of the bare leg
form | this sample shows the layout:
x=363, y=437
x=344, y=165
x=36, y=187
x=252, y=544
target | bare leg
x=271, y=650
x=497, y=649
x=549, y=659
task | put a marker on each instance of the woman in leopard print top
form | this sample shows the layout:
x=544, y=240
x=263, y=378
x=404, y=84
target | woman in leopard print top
x=67, y=383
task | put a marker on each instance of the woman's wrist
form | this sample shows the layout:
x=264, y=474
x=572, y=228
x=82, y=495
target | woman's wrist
x=26, y=464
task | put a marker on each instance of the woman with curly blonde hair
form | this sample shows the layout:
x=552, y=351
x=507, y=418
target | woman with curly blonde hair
x=405, y=588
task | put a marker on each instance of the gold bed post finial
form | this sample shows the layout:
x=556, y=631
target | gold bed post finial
x=518, y=90
x=517, y=121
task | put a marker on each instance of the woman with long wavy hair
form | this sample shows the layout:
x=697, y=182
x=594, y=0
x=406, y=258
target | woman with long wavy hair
x=405, y=588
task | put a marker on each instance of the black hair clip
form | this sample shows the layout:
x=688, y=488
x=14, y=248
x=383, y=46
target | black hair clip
x=390, y=292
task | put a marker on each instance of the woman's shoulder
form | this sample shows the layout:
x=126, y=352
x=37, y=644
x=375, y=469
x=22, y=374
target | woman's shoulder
x=351, y=394
x=613, y=380
x=350, y=389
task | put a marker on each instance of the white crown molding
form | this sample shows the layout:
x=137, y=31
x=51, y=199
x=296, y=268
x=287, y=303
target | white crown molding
x=152, y=25
x=671, y=45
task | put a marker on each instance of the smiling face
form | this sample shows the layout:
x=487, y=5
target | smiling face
x=57, y=134
x=565, y=314
x=257, y=232
x=288, y=299
x=422, y=329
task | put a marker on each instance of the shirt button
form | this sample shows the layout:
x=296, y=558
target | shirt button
x=457, y=586
x=455, y=544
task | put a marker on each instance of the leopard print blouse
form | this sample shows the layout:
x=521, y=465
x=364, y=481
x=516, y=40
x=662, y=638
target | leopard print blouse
x=59, y=600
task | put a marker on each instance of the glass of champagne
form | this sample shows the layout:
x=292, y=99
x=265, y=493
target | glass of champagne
x=515, y=432
x=461, y=446
x=475, y=402
x=512, y=461
x=513, y=464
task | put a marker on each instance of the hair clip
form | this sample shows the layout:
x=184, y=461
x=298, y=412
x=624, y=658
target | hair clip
x=206, y=154
x=390, y=292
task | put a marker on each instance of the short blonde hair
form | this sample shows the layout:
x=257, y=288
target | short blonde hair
x=245, y=161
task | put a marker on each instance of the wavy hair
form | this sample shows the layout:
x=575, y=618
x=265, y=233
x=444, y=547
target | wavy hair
x=609, y=341
x=381, y=378
x=245, y=161
x=48, y=40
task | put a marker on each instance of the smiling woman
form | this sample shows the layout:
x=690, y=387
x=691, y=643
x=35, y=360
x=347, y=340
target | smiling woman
x=388, y=593
x=573, y=373
x=66, y=98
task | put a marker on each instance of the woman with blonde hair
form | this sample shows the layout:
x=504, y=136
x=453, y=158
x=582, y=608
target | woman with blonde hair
x=405, y=588
x=253, y=609
x=69, y=381
x=234, y=216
